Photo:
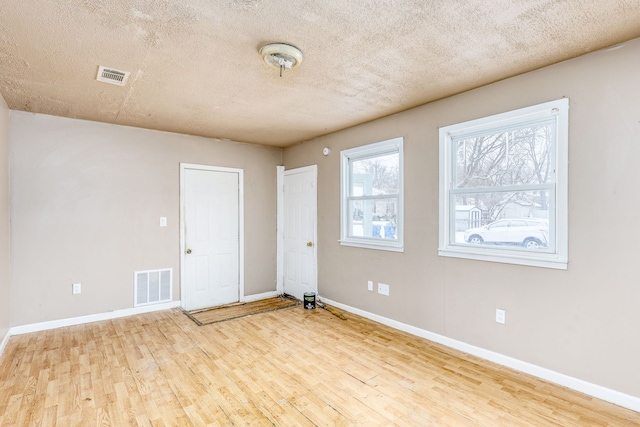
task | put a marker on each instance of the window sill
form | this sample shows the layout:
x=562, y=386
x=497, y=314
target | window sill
x=538, y=260
x=366, y=245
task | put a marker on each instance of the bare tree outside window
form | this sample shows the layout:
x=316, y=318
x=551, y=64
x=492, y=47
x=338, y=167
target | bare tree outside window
x=383, y=171
x=372, y=195
x=382, y=174
x=519, y=157
x=503, y=187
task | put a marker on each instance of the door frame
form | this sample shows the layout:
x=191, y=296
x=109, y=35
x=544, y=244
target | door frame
x=240, y=172
x=280, y=223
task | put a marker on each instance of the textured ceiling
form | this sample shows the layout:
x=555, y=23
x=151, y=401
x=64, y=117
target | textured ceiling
x=195, y=66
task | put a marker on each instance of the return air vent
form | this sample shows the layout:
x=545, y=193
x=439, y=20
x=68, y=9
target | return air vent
x=153, y=286
x=115, y=77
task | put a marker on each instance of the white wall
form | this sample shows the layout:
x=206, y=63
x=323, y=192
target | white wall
x=582, y=322
x=86, y=202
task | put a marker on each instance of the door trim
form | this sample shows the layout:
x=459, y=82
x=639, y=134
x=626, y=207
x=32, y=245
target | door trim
x=280, y=230
x=280, y=224
x=240, y=172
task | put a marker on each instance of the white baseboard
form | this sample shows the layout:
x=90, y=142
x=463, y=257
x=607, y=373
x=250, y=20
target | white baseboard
x=43, y=326
x=256, y=297
x=603, y=393
x=4, y=341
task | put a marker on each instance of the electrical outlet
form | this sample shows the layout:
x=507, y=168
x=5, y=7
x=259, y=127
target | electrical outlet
x=163, y=221
x=76, y=288
x=501, y=316
x=383, y=289
x=370, y=285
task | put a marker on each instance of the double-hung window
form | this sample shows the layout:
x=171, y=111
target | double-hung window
x=371, y=196
x=503, y=187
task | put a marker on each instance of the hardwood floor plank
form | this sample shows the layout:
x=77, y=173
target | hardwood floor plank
x=291, y=367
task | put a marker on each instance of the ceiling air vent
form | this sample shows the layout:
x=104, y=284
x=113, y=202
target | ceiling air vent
x=115, y=77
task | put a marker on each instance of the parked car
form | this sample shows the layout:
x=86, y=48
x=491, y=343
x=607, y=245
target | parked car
x=527, y=232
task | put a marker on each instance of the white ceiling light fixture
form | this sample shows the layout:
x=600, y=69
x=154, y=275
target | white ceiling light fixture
x=281, y=55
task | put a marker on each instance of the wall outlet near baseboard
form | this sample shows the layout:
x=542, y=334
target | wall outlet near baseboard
x=501, y=316
x=383, y=289
x=76, y=288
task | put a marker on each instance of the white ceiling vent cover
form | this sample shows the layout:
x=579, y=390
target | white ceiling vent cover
x=153, y=286
x=113, y=76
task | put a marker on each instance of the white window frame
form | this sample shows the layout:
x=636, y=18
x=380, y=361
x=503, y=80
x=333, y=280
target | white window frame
x=558, y=218
x=390, y=146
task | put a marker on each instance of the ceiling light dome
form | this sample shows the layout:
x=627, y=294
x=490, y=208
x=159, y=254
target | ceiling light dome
x=281, y=55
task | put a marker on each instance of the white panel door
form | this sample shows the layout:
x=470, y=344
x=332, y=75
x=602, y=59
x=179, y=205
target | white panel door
x=300, y=204
x=211, y=238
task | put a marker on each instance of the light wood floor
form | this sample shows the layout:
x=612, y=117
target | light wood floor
x=291, y=367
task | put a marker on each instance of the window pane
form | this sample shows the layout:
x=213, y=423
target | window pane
x=371, y=196
x=503, y=187
x=507, y=219
x=373, y=218
x=375, y=175
x=510, y=157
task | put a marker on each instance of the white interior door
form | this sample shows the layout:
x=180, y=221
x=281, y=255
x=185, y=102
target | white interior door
x=211, y=237
x=300, y=235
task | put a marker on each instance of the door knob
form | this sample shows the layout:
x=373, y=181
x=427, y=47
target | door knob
x=309, y=244
x=188, y=251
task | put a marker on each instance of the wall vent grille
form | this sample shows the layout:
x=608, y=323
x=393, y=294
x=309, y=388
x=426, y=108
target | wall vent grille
x=153, y=286
x=110, y=75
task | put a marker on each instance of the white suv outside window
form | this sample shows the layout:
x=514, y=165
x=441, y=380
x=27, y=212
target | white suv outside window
x=529, y=233
x=507, y=167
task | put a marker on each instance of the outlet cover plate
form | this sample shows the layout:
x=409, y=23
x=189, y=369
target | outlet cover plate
x=501, y=316
x=383, y=289
x=76, y=288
